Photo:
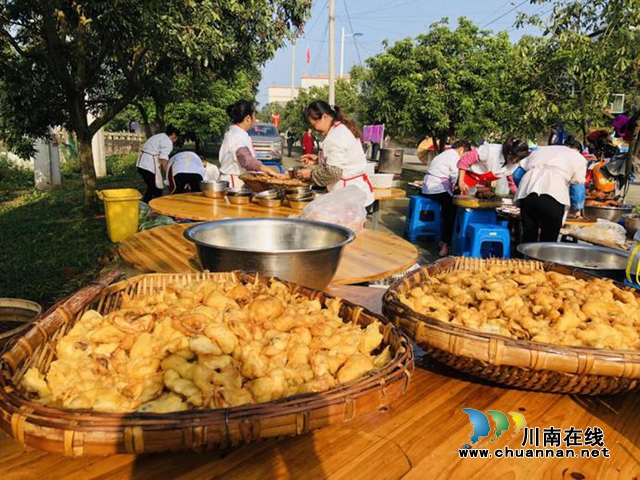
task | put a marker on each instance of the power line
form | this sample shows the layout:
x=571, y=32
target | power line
x=494, y=12
x=504, y=14
x=324, y=38
x=352, y=32
x=317, y=18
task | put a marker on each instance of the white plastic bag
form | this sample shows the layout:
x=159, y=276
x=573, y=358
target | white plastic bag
x=605, y=231
x=344, y=207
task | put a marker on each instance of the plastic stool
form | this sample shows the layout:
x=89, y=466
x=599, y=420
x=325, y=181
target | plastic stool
x=423, y=218
x=270, y=163
x=481, y=234
x=464, y=218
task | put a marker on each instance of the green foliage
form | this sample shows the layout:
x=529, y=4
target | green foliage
x=347, y=99
x=13, y=177
x=445, y=82
x=52, y=249
x=588, y=51
x=61, y=60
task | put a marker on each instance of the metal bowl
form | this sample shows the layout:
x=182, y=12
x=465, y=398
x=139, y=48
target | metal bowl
x=239, y=192
x=270, y=202
x=300, y=189
x=239, y=199
x=293, y=170
x=300, y=196
x=613, y=214
x=632, y=224
x=268, y=194
x=299, y=204
x=300, y=251
x=214, y=189
x=601, y=261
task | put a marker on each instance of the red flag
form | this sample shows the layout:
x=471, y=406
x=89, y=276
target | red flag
x=308, y=55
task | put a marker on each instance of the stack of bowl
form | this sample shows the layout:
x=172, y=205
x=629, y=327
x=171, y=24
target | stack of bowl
x=214, y=189
x=269, y=198
x=239, y=196
x=300, y=197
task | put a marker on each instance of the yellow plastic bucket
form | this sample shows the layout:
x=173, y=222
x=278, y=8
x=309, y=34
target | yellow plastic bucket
x=121, y=209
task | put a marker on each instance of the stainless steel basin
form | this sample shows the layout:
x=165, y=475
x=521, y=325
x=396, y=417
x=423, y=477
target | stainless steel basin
x=300, y=251
x=601, y=261
x=613, y=214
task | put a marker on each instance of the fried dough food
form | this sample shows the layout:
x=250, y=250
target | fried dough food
x=546, y=307
x=208, y=344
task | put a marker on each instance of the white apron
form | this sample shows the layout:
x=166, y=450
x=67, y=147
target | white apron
x=157, y=168
x=230, y=169
x=343, y=150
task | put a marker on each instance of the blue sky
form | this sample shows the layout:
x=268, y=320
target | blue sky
x=378, y=20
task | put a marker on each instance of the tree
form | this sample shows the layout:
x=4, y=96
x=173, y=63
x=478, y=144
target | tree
x=589, y=48
x=98, y=56
x=445, y=82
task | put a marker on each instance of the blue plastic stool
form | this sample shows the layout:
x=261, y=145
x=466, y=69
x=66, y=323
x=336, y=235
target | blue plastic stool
x=270, y=163
x=423, y=219
x=464, y=218
x=483, y=239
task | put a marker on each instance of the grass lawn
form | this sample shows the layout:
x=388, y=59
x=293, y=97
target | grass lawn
x=47, y=248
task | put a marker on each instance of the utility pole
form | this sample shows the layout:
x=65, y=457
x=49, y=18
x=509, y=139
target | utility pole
x=293, y=69
x=332, y=41
x=342, y=54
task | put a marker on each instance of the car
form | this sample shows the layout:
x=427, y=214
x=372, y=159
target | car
x=266, y=142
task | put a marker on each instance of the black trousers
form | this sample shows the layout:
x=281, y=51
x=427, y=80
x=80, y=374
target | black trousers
x=181, y=181
x=541, y=213
x=150, y=181
x=447, y=213
x=289, y=146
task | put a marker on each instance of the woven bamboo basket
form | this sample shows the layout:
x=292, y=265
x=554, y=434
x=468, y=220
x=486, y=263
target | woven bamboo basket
x=516, y=363
x=260, y=183
x=85, y=433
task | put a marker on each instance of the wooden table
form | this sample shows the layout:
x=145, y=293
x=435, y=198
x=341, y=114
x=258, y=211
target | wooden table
x=372, y=256
x=417, y=438
x=196, y=206
x=383, y=194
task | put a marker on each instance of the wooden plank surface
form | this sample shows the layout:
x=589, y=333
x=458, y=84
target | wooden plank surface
x=196, y=206
x=372, y=256
x=417, y=438
x=388, y=193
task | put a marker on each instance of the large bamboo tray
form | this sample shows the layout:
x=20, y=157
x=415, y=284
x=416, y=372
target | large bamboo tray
x=260, y=183
x=516, y=363
x=84, y=433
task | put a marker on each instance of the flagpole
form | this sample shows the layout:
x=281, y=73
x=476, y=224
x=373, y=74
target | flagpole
x=293, y=74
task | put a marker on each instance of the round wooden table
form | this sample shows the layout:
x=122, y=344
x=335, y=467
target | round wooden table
x=372, y=256
x=196, y=206
x=383, y=194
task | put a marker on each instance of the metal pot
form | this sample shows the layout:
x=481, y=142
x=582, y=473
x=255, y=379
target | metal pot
x=391, y=160
x=300, y=251
x=601, y=261
x=632, y=224
x=214, y=189
x=613, y=214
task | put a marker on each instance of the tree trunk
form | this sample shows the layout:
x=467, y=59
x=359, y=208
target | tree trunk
x=160, y=110
x=90, y=201
x=197, y=141
x=145, y=119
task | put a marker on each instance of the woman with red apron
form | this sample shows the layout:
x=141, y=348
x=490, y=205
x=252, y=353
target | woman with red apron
x=342, y=161
x=489, y=163
x=237, y=155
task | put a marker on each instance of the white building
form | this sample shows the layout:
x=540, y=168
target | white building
x=282, y=94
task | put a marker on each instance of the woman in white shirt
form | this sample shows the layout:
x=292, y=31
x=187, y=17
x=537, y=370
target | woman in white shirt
x=543, y=193
x=438, y=185
x=153, y=158
x=237, y=155
x=490, y=162
x=186, y=169
x=342, y=161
